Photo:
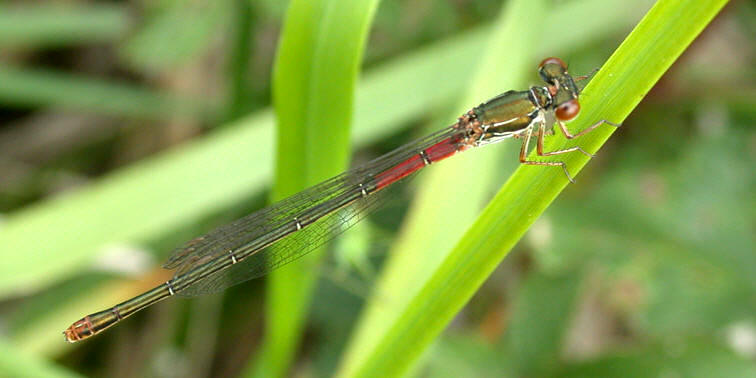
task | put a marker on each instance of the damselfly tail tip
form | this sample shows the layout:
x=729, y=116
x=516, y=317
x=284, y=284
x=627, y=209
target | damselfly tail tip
x=68, y=335
x=79, y=330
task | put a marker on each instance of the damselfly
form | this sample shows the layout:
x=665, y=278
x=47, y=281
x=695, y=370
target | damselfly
x=295, y=226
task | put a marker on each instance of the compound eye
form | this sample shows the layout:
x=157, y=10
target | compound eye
x=568, y=110
x=553, y=60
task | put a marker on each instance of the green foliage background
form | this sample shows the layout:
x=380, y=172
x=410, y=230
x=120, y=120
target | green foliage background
x=129, y=127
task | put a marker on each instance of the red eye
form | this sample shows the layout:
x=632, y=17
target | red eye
x=553, y=60
x=568, y=110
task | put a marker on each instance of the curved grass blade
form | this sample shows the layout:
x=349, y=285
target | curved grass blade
x=314, y=78
x=663, y=34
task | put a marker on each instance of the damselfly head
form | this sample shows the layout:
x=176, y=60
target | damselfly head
x=562, y=88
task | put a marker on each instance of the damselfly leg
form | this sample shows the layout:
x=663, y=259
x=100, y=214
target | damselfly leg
x=541, y=132
x=588, y=129
x=539, y=151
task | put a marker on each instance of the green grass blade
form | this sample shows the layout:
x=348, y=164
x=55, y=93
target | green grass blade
x=34, y=88
x=239, y=98
x=314, y=78
x=53, y=25
x=663, y=34
x=166, y=40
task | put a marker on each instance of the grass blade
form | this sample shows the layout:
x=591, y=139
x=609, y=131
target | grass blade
x=318, y=62
x=33, y=88
x=663, y=34
x=52, y=25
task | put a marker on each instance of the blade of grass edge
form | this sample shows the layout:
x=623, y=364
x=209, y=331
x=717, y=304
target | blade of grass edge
x=657, y=41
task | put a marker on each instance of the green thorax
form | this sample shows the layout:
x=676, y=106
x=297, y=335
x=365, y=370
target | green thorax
x=512, y=111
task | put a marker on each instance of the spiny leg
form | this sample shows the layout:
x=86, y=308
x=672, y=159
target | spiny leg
x=524, y=153
x=567, y=134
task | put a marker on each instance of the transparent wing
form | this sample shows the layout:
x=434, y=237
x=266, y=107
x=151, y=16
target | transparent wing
x=288, y=249
x=325, y=205
x=251, y=227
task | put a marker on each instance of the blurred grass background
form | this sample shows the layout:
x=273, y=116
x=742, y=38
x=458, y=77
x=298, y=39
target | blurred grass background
x=128, y=127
